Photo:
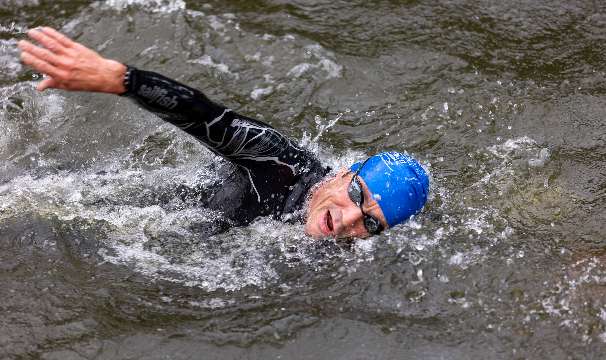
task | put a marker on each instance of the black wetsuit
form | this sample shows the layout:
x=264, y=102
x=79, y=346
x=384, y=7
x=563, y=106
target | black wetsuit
x=274, y=174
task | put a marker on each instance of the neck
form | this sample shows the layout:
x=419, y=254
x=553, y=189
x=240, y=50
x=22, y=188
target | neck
x=303, y=191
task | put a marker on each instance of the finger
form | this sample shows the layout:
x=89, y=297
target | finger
x=39, y=52
x=41, y=65
x=47, y=83
x=47, y=41
x=62, y=39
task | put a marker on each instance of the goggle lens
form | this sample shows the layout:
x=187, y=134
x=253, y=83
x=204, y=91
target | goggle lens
x=372, y=225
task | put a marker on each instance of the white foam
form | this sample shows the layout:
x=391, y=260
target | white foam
x=241, y=261
x=18, y=3
x=511, y=145
x=456, y=259
x=9, y=59
x=258, y=93
x=44, y=113
x=365, y=247
x=149, y=50
x=240, y=257
x=255, y=57
x=215, y=23
x=541, y=159
x=318, y=59
x=332, y=69
x=299, y=69
x=512, y=148
x=206, y=60
x=163, y=6
x=212, y=303
x=268, y=61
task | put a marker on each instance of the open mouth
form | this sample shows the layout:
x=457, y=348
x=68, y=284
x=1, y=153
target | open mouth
x=329, y=224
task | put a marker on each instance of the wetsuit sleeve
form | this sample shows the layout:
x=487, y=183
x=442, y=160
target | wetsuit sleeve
x=249, y=143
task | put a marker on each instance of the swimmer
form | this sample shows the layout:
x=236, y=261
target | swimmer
x=274, y=176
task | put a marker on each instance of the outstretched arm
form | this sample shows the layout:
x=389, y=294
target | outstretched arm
x=240, y=139
x=263, y=152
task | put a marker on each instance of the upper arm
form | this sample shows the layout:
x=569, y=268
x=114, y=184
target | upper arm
x=247, y=142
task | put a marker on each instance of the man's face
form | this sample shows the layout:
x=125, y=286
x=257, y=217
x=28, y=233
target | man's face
x=332, y=213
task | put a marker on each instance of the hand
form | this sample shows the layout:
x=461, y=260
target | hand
x=70, y=65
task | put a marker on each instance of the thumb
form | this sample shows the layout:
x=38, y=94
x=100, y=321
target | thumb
x=49, y=82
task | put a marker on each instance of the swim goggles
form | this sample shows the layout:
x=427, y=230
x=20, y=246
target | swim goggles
x=356, y=194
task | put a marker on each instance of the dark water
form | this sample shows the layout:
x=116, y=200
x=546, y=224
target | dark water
x=504, y=102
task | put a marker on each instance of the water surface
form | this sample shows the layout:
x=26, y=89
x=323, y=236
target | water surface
x=100, y=258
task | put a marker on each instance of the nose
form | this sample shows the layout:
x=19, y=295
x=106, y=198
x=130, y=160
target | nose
x=351, y=218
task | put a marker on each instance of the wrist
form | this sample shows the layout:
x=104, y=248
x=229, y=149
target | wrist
x=115, y=77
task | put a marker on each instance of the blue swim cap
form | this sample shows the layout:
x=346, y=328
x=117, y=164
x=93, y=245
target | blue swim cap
x=397, y=182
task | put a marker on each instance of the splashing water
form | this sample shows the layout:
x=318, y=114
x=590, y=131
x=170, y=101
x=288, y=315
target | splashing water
x=162, y=6
x=103, y=257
